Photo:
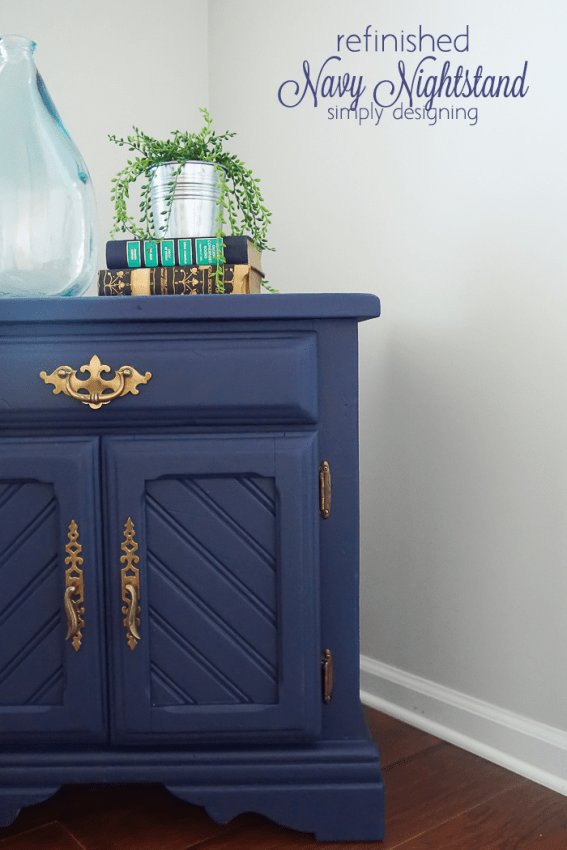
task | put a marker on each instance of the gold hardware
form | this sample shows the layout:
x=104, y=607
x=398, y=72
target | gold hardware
x=131, y=620
x=92, y=391
x=130, y=585
x=74, y=587
x=325, y=490
x=327, y=672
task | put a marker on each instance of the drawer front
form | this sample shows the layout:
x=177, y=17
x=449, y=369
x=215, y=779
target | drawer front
x=195, y=378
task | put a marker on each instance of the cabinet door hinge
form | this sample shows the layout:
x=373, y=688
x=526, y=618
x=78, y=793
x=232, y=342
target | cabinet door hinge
x=325, y=490
x=327, y=675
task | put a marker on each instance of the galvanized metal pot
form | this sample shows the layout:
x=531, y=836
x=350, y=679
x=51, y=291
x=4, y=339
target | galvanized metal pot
x=195, y=206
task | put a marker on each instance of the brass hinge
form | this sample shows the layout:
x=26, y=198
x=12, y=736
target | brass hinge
x=325, y=490
x=327, y=675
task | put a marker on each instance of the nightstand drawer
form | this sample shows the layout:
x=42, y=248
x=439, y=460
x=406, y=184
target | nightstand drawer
x=220, y=377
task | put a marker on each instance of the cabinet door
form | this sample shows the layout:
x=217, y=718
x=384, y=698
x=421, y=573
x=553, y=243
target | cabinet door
x=227, y=641
x=50, y=688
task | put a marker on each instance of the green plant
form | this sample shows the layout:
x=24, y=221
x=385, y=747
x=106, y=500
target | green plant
x=240, y=200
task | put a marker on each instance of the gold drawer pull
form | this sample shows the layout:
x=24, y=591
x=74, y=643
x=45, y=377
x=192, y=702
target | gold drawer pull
x=95, y=391
x=74, y=588
x=130, y=585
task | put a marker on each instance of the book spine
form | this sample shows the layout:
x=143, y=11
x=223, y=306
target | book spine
x=200, y=251
x=139, y=254
x=178, y=280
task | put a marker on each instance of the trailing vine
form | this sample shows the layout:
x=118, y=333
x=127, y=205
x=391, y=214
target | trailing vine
x=241, y=201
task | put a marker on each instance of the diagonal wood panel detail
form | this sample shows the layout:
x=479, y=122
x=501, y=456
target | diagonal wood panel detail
x=212, y=590
x=31, y=631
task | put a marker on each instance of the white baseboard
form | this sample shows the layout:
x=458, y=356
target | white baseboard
x=531, y=749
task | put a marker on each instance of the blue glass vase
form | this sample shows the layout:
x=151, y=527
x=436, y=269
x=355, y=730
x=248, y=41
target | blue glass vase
x=48, y=239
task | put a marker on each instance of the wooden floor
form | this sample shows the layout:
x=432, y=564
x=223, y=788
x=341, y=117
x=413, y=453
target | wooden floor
x=438, y=797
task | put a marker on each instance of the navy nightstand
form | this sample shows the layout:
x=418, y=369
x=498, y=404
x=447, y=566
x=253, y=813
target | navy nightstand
x=179, y=554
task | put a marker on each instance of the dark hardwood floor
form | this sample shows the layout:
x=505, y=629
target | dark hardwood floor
x=438, y=797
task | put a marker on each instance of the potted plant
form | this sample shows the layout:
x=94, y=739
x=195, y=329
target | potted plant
x=239, y=197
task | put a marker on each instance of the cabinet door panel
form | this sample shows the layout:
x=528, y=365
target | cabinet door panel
x=220, y=667
x=221, y=533
x=200, y=597
x=31, y=653
x=46, y=686
x=228, y=578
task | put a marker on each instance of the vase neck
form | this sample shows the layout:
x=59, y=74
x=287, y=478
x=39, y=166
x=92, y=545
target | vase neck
x=16, y=48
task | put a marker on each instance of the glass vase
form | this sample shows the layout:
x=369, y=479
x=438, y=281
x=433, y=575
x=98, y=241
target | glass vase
x=48, y=239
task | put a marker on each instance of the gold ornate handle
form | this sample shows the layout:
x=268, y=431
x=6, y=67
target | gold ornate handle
x=74, y=588
x=72, y=612
x=131, y=610
x=93, y=399
x=95, y=391
x=130, y=585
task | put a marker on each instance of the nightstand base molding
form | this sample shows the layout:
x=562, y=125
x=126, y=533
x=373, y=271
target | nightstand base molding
x=332, y=789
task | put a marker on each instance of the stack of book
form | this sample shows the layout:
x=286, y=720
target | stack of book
x=181, y=266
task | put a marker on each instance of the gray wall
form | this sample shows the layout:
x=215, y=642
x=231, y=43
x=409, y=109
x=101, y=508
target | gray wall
x=460, y=230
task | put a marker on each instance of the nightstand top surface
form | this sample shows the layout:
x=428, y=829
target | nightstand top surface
x=358, y=306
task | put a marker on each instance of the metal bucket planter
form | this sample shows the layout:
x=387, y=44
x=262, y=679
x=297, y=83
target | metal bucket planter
x=196, y=201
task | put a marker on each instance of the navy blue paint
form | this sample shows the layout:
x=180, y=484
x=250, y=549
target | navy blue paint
x=243, y=583
x=191, y=553
x=60, y=692
x=193, y=375
x=179, y=308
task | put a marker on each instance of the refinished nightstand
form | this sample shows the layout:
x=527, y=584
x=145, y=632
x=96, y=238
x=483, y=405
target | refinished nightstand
x=179, y=554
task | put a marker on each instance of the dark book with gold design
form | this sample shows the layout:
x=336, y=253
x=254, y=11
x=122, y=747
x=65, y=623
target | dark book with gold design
x=179, y=280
